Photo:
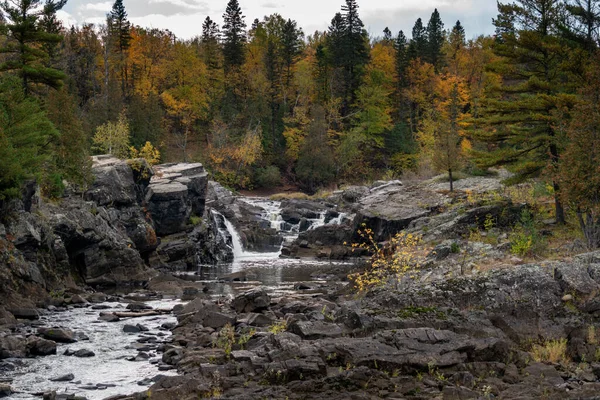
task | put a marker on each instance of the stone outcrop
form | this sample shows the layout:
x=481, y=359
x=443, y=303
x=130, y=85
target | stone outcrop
x=176, y=192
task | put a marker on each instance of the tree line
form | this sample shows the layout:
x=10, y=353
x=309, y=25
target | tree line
x=264, y=104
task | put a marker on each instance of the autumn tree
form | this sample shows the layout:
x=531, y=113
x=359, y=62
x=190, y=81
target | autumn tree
x=113, y=138
x=579, y=171
x=25, y=47
x=449, y=134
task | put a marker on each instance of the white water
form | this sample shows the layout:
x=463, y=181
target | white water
x=271, y=213
x=109, y=366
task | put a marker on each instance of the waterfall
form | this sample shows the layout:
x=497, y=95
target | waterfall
x=236, y=241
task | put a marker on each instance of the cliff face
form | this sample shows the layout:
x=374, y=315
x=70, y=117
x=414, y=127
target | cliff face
x=105, y=236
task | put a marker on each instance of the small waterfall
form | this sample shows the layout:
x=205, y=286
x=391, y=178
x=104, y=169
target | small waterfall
x=236, y=241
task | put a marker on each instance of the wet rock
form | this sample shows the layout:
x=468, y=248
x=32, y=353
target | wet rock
x=252, y=300
x=5, y=390
x=13, y=347
x=63, y=378
x=77, y=299
x=81, y=353
x=61, y=335
x=138, y=307
x=127, y=328
x=25, y=313
x=109, y=317
x=40, y=347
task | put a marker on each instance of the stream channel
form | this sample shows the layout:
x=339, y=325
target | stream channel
x=117, y=367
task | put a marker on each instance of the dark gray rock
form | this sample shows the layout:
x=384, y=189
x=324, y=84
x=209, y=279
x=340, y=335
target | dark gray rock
x=127, y=328
x=40, y=347
x=63, y=378
x=61, y=335
x=25, y=313
x=252, y=300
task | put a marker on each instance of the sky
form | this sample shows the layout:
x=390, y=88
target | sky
x=184, y=17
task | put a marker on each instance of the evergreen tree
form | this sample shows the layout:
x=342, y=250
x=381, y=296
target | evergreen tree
x=402, y=59
x=26, y=45
x=51, y=24
x=387, y=35
x=120, y=32
x=457, y=36
x=519, y=115
x=349, y=46
x=418, y=44
x=25, y=135
x=584, y=24
x=435, y=41
x=291, y=43
x=210, y=43
x=234, y=36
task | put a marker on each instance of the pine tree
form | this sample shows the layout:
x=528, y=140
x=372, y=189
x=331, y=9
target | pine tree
x=519, y=115
x=291, y=43
x=387, y=35
x=120, y=30
x=435, y=40
x=584, y=24
x=418, y=44
x=234, y=36
x=402, y=58
x=210, y=43
x=456, y=42
x=26, y=45
x=25, y=135
x=348, y=44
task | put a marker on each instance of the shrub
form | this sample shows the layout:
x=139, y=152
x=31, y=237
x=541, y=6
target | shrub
x=526, y=240
x=268, y=177
x=552, y=351
x=394, y=260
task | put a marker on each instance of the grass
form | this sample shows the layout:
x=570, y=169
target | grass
x=552, y=351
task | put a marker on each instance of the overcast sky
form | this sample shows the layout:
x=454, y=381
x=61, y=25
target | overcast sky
x=184, y=17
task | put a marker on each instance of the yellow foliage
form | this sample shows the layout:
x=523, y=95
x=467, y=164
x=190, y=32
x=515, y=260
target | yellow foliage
x=394, y=260
x=113, y=137
x=552, y=351
x=147, y=152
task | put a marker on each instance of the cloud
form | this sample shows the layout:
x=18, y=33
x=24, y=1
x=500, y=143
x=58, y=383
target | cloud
x=270, y=5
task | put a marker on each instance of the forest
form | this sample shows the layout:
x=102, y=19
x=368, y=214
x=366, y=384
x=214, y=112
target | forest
x=263, y=104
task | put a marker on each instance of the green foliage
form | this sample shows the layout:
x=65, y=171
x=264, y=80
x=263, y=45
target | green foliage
x=268, y=177
x=113, y=138
x=525, y=239
x=27, y=44
x=25, y=132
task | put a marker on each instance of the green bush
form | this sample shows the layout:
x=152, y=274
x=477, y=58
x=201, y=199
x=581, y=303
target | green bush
x=268, y=177
x=526, y=240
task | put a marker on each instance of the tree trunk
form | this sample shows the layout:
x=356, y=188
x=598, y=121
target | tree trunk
x=558, y=207
x=451, y=182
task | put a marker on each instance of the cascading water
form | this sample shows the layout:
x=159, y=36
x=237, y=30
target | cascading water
x=236, y=241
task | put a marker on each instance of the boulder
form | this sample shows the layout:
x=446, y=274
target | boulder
x=37, y=346
x=113, y=184
x=25, y=313
x=252, y=300
x=61, y=335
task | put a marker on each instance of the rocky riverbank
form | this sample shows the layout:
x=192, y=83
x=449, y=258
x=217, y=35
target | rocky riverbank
x=463, y=337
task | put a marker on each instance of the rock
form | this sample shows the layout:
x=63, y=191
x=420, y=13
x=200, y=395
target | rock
x=354, y=193
x=190, y=293
x=315, y=329
x=253, y=300
x=5, y=390
x=25, y=313
x=109, y=318
x=61, y=335
x=84, y=353
x=127, y=328
x=459, y=393
x=63, y=378
x=113, y=183
x=138, y=306
x=12, y=347
x=77, y=299
x=40, y=347
x=175, y=192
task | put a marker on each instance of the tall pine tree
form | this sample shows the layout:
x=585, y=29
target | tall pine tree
x=120, y=32
x=435, y=41
x=234, y=36
x=519, y=115
x=418, y=44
